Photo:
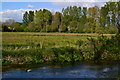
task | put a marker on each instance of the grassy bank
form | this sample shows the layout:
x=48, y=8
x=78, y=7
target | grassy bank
x=58, y=47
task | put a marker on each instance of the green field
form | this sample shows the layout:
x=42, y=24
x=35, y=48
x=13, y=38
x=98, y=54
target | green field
x=19, y=47
x=56, y=39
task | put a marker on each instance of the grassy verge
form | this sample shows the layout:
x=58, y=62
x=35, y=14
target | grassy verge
x=39, y=48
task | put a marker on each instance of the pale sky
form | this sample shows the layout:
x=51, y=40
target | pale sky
x=14, y=9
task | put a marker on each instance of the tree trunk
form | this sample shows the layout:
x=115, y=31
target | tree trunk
x=118, y=29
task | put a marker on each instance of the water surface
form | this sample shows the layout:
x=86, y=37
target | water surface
x=64, y=70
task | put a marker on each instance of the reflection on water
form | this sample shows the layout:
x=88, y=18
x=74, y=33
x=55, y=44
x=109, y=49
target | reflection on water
x=81, y=70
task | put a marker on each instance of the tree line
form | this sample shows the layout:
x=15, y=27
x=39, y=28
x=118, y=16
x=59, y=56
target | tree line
x=72, y=19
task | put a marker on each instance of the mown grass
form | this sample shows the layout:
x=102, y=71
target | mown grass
x=28, y=47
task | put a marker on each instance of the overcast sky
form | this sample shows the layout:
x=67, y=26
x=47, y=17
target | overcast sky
x=15, y=10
